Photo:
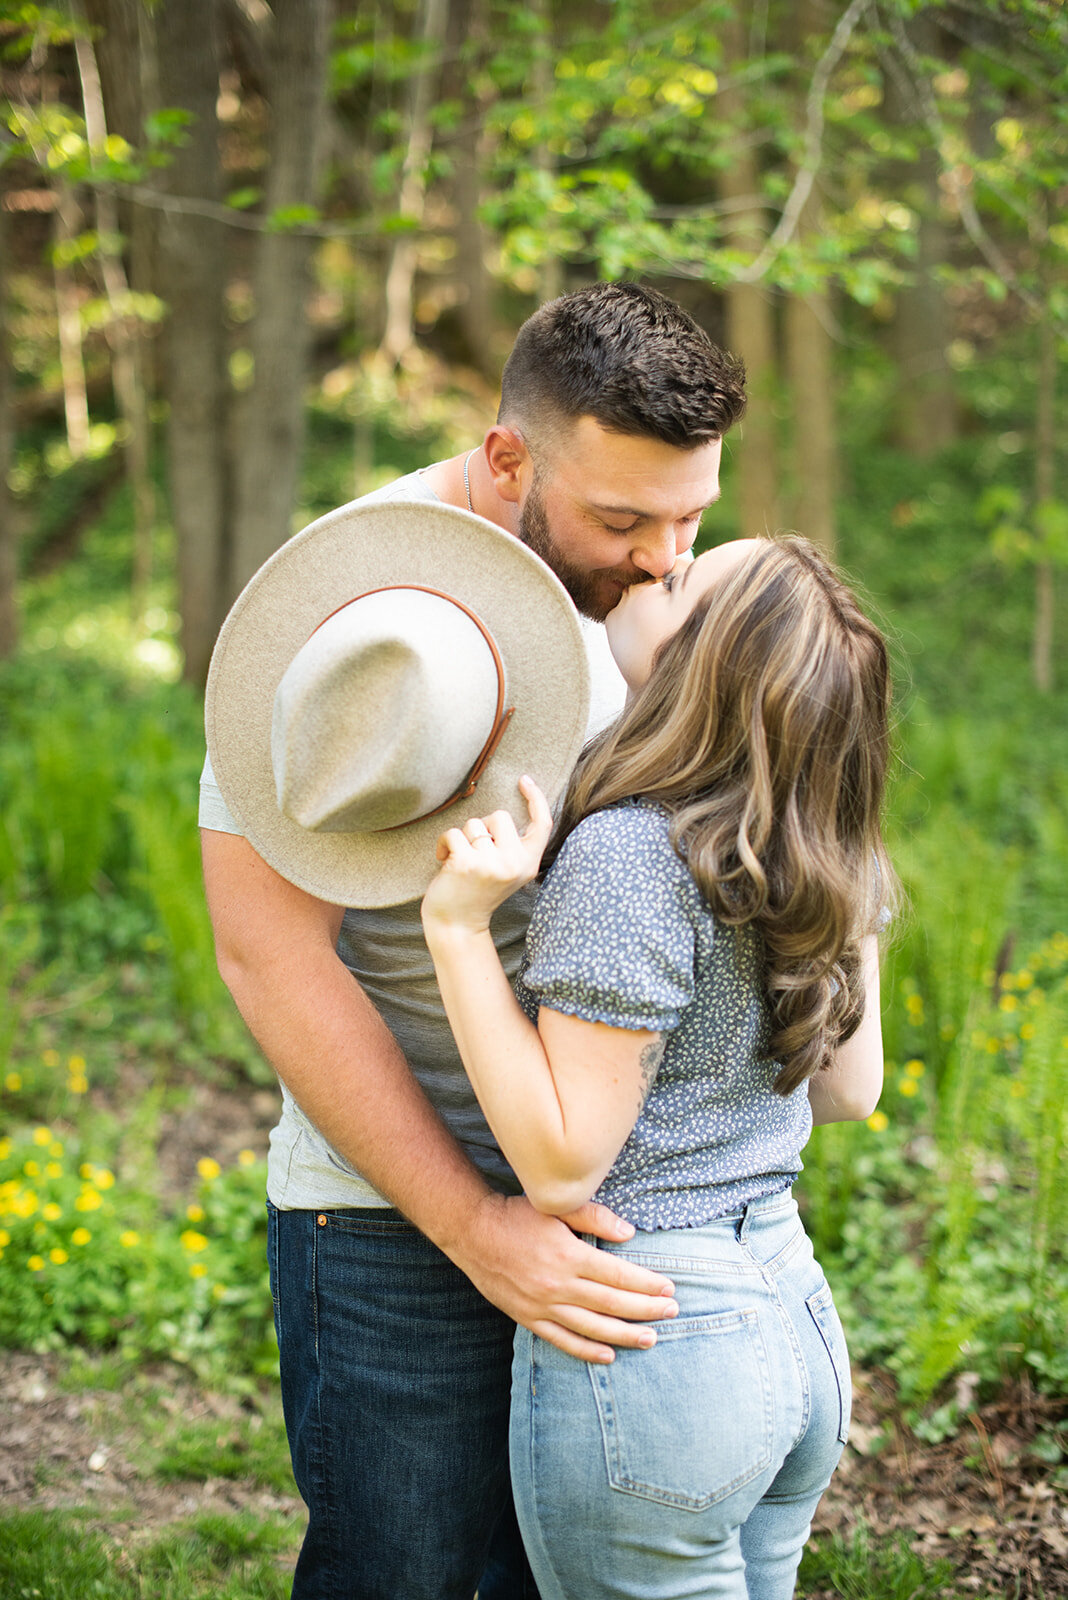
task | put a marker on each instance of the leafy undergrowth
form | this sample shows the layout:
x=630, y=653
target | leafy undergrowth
x=990, y=1501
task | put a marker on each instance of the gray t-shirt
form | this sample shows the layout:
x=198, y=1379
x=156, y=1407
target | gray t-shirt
x=621, y=935
x=385, y=951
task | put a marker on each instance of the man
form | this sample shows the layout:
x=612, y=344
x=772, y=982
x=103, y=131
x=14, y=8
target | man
x=393, y=1221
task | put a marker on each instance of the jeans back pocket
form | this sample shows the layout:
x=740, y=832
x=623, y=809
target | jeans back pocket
x=690, y=1421
x=822, y=1310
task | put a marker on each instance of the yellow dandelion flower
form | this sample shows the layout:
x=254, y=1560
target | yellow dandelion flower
x=915, y=1069
x=129, y=1237
x=993, y=1046
x=217, y=1291
x=1024, y=979
x=78, y=1085
x=76, y=1064
x=5, y=1149
x=80, y=1236
x=31, y=1169
x=198, y=1270
x=50, y=1058
x=878, y=1122
x=246, y=1158
x=55, y=1149
x=195, y=1213
x=51, y=1212
x=908, y=1087
x=24, y=1204
x=85, y=1171
x=42, y=1135
x=36, y=1263
x=1027, y=1030
x=13, y=1082
x=1008, y=1002
x=103, y=1178
x=58, y=1256
x=5, y=1238
x=193, y=1241
x=53, y=1170
x=88, y=1200
x=1017, y=1090
x=208, y=1168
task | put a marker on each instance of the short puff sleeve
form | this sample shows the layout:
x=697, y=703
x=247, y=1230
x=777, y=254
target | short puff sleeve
x=612, y=935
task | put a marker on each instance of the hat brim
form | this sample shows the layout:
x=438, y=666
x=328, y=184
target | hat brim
x=334, y=559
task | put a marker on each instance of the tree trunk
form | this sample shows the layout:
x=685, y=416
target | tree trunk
x=809, y=361
x=1045, y=469
x=750, y=328
x=552, y=277
x=122, y=31
x=124, y=336
x=466, y=38
x=271, y=435
x=193, y=283
x=69, y=325
x=926, y=410
x=9, y=628
x=399, y=331
x=811, y=376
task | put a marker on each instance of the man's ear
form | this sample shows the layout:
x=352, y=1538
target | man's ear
x=509, y=462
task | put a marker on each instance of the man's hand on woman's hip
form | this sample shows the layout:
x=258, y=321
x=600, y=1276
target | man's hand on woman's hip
x=579, y=1298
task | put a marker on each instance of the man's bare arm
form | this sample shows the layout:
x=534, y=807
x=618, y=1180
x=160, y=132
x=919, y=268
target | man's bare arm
x=276, y=952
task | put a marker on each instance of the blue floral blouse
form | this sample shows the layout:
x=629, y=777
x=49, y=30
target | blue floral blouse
x=621, y=935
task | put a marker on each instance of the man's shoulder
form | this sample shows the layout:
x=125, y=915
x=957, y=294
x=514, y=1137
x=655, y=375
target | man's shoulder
x=413, y=486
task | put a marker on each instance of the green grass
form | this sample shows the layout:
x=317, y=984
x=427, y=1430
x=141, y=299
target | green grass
x=862, y=1567
x=251, y=1447
x=56, y=1555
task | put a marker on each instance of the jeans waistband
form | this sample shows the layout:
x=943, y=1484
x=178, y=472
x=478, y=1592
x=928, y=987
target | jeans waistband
x=770, y=1224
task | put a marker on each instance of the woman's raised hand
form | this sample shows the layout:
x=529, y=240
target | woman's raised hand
x=485, y=861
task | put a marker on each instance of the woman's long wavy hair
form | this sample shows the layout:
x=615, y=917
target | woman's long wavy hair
x=764, y=732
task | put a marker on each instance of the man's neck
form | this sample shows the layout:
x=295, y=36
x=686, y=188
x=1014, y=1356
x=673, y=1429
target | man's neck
x=470, y=491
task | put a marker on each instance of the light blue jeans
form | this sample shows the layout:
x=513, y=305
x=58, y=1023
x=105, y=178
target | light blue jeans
x=692, y=1469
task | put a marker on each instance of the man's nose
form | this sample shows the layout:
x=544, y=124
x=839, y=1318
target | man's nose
x=658, y=552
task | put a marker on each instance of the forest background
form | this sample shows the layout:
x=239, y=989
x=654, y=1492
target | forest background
x=257, y=258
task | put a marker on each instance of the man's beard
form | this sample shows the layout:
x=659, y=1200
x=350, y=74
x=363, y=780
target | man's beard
x=595, y=593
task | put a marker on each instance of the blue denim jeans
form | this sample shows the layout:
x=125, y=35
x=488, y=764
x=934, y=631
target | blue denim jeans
x=692, y=1469
x=395, y=1387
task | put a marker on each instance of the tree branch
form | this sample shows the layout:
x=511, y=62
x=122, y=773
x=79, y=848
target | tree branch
x=806, y=173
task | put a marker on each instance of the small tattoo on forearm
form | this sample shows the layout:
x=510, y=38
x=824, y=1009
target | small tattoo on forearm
x=650, y=1060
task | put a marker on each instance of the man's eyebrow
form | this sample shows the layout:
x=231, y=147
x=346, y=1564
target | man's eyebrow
x=637, y=511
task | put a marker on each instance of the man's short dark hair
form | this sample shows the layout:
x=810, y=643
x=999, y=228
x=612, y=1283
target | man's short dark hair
x=627, y=356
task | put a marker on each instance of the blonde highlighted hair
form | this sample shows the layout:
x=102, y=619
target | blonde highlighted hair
x=764, y=733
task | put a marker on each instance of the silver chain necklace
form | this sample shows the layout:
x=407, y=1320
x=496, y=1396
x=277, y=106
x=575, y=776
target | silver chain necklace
x=467, y=481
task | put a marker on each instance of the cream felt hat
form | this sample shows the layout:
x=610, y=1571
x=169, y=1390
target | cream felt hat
x=380, y=661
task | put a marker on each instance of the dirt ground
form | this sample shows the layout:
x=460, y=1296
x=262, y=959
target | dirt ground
x=976, y=1499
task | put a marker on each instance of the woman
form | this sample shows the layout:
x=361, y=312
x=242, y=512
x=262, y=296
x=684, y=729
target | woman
x=700, y=984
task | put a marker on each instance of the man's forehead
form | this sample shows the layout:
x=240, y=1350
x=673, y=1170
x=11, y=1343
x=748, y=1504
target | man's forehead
x=634, y=475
